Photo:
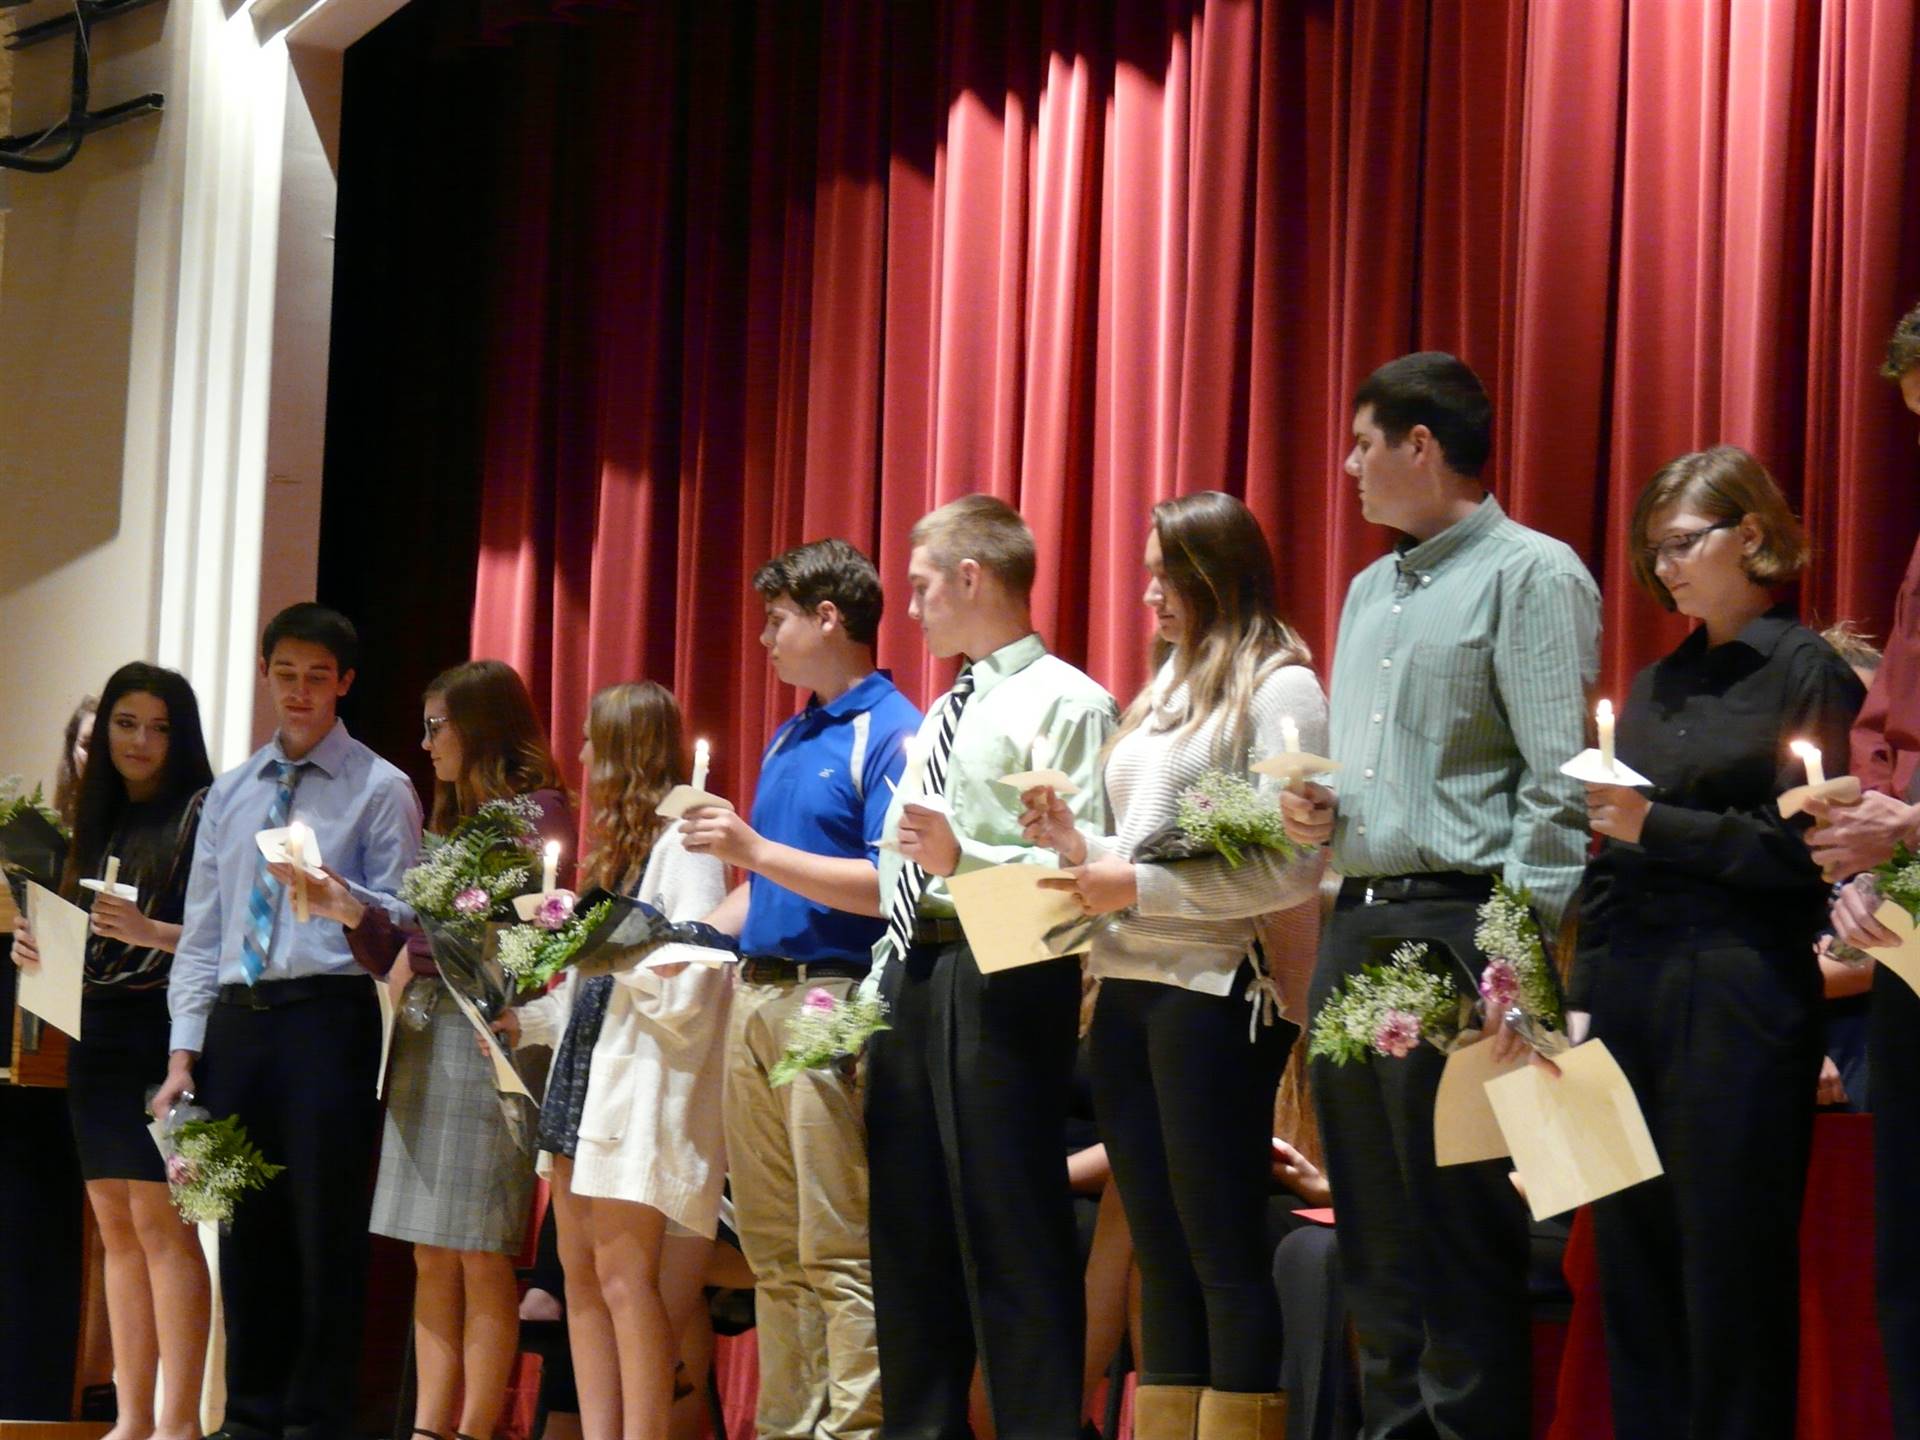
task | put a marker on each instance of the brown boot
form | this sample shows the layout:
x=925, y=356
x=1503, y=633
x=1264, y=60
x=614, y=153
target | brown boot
x=1165, y=1412
x=1231, y=1415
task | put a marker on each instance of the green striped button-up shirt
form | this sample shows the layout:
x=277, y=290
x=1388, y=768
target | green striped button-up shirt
x=1459, y=689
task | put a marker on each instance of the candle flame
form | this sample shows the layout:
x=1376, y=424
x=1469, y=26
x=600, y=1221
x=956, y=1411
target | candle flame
x=1603, y=711
x=1804, y=749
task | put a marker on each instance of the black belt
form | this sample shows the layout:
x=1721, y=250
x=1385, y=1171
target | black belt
x=937, y=930
x=269, y=994
x=1434, y=885
x=778, y=970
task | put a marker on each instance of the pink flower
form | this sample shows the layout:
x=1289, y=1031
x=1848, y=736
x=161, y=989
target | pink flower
x=1499, y=987
x=179, y=1172
x=819, y=1002
x=1398, y=1034
x=556, y=909
x=471, y=901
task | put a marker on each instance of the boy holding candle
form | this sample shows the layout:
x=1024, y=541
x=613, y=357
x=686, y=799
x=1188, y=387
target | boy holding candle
x=1458, y=692
x=968, y=1092
x=291, y=1030
x=807, y=919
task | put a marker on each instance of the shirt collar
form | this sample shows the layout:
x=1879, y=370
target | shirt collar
x=326, y=757
x=863, y=694
x=1009, y=659
x=1423, y=556
x=1762, y=634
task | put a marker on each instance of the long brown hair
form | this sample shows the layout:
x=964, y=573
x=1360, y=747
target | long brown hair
x=1216, y=560
x=639, y=754
x=503, y=748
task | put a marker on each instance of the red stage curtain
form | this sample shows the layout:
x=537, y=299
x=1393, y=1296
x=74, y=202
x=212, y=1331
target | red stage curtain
x=770, y=272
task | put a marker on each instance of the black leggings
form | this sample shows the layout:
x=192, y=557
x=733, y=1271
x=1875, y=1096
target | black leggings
x=1185, y=1103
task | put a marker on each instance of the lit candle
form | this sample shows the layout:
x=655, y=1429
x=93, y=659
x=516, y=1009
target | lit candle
x=297, y=835
x=1603, y=714
x=913, y=777
x=1810, y=754
x=1289, y=735
x=552, y=867
x=702, y=753
x=1042, y=753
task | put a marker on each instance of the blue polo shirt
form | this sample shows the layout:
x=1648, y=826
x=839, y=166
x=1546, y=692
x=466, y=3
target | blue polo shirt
x=823, y=789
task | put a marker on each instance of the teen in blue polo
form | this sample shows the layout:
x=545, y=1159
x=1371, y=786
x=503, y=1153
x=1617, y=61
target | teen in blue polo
x=808, y=918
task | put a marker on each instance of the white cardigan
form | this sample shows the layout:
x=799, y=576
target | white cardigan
x=650, y=1131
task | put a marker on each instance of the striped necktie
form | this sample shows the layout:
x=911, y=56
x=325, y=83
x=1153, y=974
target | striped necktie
x=264, y=902
x=905, y=908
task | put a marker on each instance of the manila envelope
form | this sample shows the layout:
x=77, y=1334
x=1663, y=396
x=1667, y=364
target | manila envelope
x=52, y=988
x=1577, y=1138
x=1465, y=1128
x=1006, y=914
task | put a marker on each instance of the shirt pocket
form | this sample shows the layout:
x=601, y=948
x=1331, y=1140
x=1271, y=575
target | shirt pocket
x=1445, y=687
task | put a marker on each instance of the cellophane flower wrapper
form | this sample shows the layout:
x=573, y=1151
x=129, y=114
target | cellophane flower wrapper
x=1518, y=974
x=210, y=1164
x=826, y=1031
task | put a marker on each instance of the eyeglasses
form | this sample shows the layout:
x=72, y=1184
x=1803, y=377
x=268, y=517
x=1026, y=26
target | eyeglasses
x=433, y=724
x=1679, y=547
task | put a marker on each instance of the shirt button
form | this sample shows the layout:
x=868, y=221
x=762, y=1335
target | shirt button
x=1368, y=774
x=1361, y=828
x=1376, y=717
x=1386, y=664
x=1396, y=609
x=1426, y=579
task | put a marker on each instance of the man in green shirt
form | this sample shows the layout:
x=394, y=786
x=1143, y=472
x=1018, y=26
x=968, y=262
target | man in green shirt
x=972, y=1229
x=1459, y=689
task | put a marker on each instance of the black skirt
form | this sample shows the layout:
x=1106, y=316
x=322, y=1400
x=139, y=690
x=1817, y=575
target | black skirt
x=122, y=1056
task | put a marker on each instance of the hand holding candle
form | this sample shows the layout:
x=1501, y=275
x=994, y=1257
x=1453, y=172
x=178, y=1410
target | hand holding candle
x=1809, y=753
x=1603, y=717
x=551, y=868
x=702, y=755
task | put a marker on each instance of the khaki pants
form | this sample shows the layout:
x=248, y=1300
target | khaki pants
x=798, y=1158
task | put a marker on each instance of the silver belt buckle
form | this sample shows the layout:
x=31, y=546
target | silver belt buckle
x=1368, y=899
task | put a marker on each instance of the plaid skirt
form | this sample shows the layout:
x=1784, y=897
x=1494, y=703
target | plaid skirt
x=453, y=1171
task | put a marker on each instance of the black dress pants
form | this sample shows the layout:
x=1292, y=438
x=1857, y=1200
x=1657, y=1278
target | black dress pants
x=1434, y=1258
x=1699, y=1269
x=1894, y=1064
x=972, y=1229
x=1185, y=1103
x=293, y=1268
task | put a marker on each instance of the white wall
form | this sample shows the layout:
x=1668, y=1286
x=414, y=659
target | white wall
x=164, y=305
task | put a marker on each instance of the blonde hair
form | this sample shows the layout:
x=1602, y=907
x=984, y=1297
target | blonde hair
x=1216, y=560
x=986, y=530
x=639, y=754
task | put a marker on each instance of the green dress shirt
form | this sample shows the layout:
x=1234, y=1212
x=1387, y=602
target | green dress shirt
x=1459, y=689
x=1020, y=692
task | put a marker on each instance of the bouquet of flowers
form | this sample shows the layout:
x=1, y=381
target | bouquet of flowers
x=33, y=842
x=1220, y=814
x=1389, y=1009
x=826, y=1031
x=465, y=884
x=1517, y=981
x=595, y=934
x=210, y=1164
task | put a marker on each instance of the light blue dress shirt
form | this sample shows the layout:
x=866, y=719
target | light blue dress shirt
x=366, y=820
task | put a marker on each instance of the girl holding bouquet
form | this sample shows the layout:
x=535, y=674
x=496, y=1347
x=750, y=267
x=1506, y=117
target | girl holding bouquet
x=1185, y=1056
x=632, y=1122
x=1695, y=959
x=456, y=1178
x=138, y=798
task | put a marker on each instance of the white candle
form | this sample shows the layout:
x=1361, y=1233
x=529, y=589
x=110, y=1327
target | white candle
x=297, y=836
x=1810, y=754
x=552, y=867
x=1603, y=714
x=1289, y=735
x=1042, y=753
x=702, y=754
x=113, y=872
x=912, y=778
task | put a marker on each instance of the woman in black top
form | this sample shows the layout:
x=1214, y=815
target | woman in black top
x=1695, y=960
x=139, y=799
